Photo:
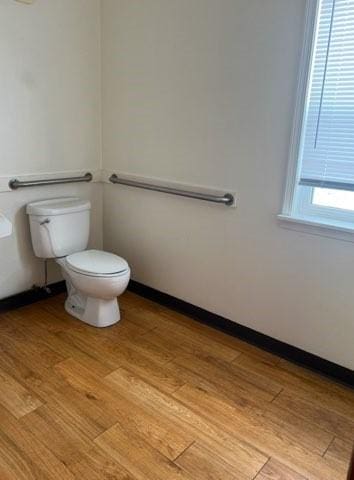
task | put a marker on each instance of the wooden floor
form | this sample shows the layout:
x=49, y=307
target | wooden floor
x=159, y=397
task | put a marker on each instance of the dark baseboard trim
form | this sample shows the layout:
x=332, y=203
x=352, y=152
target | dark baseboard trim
x=30, y=296
x=284, y=350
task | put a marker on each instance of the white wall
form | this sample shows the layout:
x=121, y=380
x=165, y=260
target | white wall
x=203, y=91
x=49, y=116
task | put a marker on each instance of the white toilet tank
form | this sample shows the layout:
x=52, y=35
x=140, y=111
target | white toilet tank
x=59, y=226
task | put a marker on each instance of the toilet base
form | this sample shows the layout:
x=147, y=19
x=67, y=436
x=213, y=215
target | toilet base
x=95, y=312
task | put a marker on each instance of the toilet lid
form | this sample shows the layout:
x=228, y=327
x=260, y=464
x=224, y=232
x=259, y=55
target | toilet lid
x=96, y=262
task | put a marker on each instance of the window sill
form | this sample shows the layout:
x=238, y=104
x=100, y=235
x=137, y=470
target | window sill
x=339, y=230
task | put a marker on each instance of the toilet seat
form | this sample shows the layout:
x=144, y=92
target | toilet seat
x=96, y=263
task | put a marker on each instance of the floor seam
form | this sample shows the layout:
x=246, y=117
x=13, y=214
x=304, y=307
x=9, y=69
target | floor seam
x=178, y=388
x=148, y=331
x=235, y=358
x=183, y=451
x=329, y=446
x=277, y=395
x=259, y=471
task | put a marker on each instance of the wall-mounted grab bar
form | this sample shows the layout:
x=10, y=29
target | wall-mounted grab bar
x=14, y=184
x=226, y=199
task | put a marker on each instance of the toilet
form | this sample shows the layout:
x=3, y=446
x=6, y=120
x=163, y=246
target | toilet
x=94, y=278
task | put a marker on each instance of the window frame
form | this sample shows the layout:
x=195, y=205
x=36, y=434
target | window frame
x=305, y=208
x=297, y=203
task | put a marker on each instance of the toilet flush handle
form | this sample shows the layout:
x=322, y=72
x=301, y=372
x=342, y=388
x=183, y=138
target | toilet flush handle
x=47, y=220
x=44, y=223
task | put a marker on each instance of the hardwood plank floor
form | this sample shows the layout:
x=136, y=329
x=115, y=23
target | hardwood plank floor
x=160, y=397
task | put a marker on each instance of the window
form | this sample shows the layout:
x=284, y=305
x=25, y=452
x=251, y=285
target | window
x=321, y=176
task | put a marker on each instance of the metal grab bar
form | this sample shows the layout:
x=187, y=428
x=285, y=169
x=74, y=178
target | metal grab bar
x=14, y=184
x=227, y=199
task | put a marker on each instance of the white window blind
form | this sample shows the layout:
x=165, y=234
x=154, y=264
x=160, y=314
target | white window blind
x=327, y=151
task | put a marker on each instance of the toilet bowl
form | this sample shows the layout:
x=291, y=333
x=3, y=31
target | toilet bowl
x=94, y=278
